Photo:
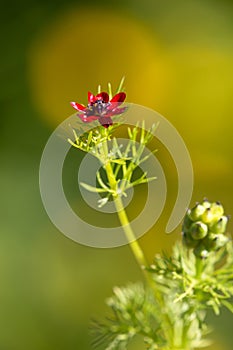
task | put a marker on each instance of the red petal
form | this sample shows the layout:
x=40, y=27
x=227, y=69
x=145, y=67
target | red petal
x=77, y=106
x=119, y=97
x=91, y=97
x=104, y=96
x=91, y=118
x=117, y=111
x=88, y=119
x=83, y=117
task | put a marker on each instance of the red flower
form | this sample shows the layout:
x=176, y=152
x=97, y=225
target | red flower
x=100, y=108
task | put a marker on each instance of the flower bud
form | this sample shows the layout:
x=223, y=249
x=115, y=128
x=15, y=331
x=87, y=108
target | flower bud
x=198, y=230
x=221, y=240
x=215, y=241
x=207, y=217
x=220, y=225
x=217, y=210
x=204, y=228
x=210, y=241
x=206, y=204
x=196, y=212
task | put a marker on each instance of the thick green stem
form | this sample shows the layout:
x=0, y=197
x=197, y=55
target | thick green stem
x=199, y=267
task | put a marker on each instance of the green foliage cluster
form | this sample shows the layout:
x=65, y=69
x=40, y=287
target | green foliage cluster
x=123, y=162
x=170, y=313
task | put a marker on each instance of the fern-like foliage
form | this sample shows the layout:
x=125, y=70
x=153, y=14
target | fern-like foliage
x=170, y=313
x=212, y=288
x=134, y=312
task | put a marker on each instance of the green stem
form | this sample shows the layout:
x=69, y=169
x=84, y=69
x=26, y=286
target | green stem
x=199, y=267
x=134, y=245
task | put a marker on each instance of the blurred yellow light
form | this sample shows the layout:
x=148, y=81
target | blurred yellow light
x=87, y=47
x=202, y=88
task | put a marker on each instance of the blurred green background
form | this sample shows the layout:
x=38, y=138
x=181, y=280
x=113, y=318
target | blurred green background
x=177, y=57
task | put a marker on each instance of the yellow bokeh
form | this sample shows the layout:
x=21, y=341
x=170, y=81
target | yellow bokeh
x=85, y=48
x=202, y=88
x=190, y=84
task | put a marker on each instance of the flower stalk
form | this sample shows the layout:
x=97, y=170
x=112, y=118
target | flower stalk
x=169, y=312
x=134, y=245
x=123, y=218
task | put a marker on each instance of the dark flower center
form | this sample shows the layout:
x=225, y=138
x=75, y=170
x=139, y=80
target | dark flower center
x=98, y=108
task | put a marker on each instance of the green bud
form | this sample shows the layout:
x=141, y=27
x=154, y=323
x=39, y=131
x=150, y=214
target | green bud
x=217, y=210
x=220, y=225
x=215, y=241
x=204, y=228
x=207, y=216
x=210, y=241
x=221, y=241
x=206, y=204
x=198, y=230
x=196, y=212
